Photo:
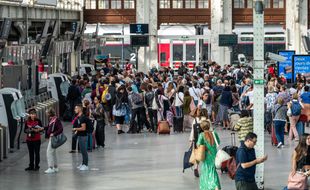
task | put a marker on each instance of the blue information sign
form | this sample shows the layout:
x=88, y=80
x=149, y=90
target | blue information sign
x=301, y=64
x=286, y=67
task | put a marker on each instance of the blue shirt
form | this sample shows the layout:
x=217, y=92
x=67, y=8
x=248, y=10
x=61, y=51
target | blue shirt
x=134, y=88
x=245, y=155
x=305, y=97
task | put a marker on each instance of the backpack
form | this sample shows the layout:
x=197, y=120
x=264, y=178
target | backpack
x=149, y=97
x=296, y=108
x=106, y=96
x=197, y=130
x=136, y=98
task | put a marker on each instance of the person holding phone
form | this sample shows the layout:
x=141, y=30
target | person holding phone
x=33, y=128
x=246, y=163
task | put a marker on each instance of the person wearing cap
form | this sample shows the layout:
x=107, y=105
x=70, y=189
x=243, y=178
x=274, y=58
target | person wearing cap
x=33, y=127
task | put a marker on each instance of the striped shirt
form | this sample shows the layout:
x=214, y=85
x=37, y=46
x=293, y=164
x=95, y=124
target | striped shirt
x=244, y=126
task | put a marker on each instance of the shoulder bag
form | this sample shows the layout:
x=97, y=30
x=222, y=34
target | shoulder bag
x=58, y=140
x=221, y=155
x=297, y=181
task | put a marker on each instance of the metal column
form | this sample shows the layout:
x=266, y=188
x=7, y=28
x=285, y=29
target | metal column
x=258, y=24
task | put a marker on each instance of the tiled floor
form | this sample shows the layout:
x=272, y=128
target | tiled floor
x=137, y=162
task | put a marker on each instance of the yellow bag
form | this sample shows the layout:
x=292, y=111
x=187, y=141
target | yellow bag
x=105, y=97
x=198, y=154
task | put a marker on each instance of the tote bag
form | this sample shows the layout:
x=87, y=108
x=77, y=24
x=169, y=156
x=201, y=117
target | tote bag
x=221, y=155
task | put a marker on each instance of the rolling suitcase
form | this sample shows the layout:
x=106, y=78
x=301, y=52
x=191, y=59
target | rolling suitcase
x=274, y=141
x=178, y=124
x=231, y=150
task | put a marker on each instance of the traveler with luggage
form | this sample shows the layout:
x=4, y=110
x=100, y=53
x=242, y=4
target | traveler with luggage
x=294, y=111
x=244, y=125
x=33, y=128
x=120, y=108
x=98, y=115
x=298, y=176
x=209, y=179
x=202, y=115
x=246, y=163
x=54, y=128
x=279, y=121
x=149, y=99
x=80, y=129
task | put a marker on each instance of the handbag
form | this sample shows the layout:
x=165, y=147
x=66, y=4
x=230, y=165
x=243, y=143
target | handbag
x=289, y=112
x=200, y=153
x=58, y=140
x=297, y=181
x=186, y=158
x=221, y=155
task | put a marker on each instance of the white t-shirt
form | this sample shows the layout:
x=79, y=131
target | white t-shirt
x=251, y=97
x=179, y=98
x=195, y=93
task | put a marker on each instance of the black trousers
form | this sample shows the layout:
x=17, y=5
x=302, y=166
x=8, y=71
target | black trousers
x=34, y=153
x=143, y=118
x=100, y=133
x=153, y=118
x=74, y=141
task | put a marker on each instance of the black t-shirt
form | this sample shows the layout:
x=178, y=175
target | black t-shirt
x=78, y=123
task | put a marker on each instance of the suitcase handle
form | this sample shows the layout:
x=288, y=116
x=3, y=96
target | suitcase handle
x=233, y=139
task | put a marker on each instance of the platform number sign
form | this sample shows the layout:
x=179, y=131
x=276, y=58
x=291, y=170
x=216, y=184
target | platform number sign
x=133, y=57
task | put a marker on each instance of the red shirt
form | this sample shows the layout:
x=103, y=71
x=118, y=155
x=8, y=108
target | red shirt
x=31, y=124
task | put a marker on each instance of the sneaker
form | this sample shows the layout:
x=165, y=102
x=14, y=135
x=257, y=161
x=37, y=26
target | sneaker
x=56, y=170
x=36, y=168
x=79, y=166
x=84, y=168
x=279, y=145
x=72, y=151
x=50, y=171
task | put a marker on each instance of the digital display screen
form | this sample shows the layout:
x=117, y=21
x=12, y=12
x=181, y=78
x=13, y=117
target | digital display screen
x=301, y=64
x=228, y=39
x=139, y=28
x=286, y=67
x=139, y=40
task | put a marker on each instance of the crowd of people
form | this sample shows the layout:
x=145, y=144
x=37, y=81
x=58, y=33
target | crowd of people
x=208, y=96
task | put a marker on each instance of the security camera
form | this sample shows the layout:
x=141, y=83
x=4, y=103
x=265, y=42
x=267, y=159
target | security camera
x=275, y=57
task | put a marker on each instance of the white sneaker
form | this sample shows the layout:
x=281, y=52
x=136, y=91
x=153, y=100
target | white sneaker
x=56, y=170
x=49, y=171
x=279, y=145
x=84, y=168
x=79, y=166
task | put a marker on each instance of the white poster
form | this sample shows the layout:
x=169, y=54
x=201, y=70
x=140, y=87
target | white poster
x=47, y=2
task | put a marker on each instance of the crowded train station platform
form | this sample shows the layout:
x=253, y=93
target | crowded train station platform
x=155, y=94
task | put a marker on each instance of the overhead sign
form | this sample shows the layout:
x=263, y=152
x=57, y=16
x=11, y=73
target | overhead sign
x=139, y=28
x=301, y=64
x=47, y=2
x=228, y=39
x=286, y=67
